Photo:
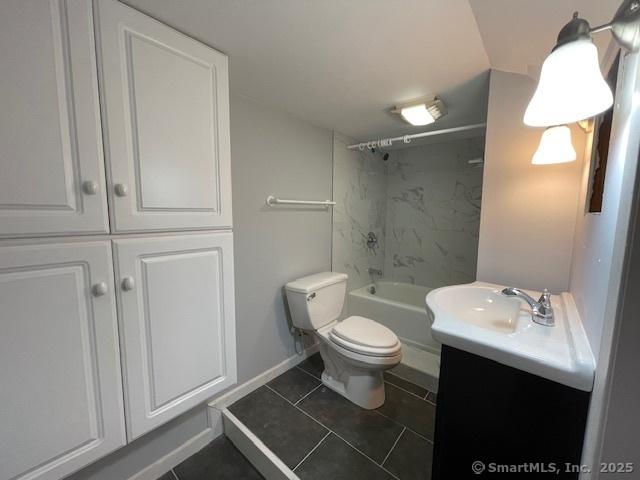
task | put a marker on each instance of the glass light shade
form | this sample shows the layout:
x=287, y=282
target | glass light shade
x=555, y=147
x=417, y=115
x=571, y=87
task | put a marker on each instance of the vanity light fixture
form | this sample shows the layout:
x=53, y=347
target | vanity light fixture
x=571, y=86
x=555, y=147
x=421, y=112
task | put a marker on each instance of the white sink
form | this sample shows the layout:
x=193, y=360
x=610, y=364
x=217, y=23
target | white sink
x=478, y=319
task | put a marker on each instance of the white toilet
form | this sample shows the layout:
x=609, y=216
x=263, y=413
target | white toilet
x=355, y=350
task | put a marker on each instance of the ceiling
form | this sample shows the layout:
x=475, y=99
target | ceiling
x=343, y=64
x=518, y=34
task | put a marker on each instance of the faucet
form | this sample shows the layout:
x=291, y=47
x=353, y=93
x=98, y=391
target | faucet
x=541, y=310
x=374, y=271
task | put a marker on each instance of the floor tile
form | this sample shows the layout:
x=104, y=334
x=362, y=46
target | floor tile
x=405, y=384
x=294, y=384
x=288, y=432
x=167, y=476
x=366, y=430
x=407, y=409
x=411, y=458
x=336, y=460
x=432, y=397
x=313, y=365
x=219, y=460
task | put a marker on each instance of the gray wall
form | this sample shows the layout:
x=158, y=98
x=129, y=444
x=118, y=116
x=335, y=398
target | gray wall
x=274, y=154
x=271, y=153
x=528, y=211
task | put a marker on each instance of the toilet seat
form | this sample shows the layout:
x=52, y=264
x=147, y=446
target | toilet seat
x=365, y=336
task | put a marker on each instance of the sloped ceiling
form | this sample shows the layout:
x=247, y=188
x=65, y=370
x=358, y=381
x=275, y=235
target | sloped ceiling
x=343, y=64
x=519, y=34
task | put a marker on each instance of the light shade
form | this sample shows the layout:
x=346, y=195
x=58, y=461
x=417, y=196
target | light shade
x=571, y=87
x=555, y=147
x=417, y=115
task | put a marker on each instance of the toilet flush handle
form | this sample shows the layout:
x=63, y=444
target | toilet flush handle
x=311, y=296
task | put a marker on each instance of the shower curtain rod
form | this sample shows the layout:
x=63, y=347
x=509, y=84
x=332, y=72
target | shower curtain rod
x=387, y=142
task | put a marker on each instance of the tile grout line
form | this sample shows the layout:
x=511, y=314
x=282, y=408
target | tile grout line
x=312, y=450
x=410, y=429
x=375, y=410
x=314, y=389
x=407, y=391
x=308, y=373
x=336, y=434
x=175, y=475
x=394, y=445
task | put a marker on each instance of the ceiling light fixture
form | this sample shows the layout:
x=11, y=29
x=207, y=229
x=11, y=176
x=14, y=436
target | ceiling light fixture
x=571, y=86
x=555, y=147
x=421, y=112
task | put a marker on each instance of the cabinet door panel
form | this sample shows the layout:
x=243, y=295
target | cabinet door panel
x=177, y=318
x=61, y=392
x=167, y=123
x=50, y=133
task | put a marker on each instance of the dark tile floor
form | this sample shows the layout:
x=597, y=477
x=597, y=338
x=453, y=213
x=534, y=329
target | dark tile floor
x=219, y=460
x=320, y=435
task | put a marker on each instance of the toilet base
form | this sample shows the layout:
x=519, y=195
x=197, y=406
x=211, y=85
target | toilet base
x=366, y=391
x=359, y=382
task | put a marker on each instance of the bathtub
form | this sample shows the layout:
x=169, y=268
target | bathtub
x=399, y=306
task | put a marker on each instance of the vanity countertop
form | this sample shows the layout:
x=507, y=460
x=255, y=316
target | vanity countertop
x=478, y=319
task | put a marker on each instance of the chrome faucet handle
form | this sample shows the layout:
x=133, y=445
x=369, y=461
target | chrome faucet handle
x=545, y=298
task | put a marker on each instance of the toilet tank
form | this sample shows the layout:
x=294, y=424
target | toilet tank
x=316, y=300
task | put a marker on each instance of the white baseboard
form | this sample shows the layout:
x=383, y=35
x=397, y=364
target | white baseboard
x=217, y=428
x=263, y=459
x=219, y=404
x=175, y=457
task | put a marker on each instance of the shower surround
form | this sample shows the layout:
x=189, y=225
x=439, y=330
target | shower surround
x=423, y=204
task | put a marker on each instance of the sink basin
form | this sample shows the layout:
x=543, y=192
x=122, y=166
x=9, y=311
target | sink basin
x=483, y=307
x=477, y=318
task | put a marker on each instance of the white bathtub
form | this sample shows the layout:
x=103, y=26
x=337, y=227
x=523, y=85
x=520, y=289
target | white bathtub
x=399, y=306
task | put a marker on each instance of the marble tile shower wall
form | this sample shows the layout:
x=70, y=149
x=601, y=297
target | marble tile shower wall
x=423, y=204
x=433, y=213
x=359, y=188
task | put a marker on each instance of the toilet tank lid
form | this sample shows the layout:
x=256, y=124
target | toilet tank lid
x=314, y=282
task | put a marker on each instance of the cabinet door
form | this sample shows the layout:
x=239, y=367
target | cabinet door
x=177, y=319
x=60, y=385
x=51, y=161
x=166, y=106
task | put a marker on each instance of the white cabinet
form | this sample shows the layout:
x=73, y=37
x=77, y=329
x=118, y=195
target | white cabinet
x=60, y=386
x=176, y=313
x=51, y=161
x=166, y=120
x=160, y=102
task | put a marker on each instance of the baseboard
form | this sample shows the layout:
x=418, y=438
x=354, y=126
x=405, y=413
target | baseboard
x=263, y=459
x=219, y=404
x=175, y=457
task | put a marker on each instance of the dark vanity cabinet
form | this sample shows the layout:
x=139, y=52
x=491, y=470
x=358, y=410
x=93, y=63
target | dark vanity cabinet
x=494, y=421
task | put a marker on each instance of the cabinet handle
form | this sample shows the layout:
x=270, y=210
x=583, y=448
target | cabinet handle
x=128, y=283
x=90, y=187
x=120, y=189
x=99, y=289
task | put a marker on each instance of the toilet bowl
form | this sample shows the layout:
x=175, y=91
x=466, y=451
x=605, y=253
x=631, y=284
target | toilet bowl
x=356, y=351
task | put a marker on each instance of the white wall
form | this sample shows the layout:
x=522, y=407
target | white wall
x=528, y=211
x=271, y=153
x=600, y=243
x=622, y=424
